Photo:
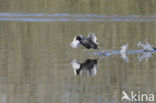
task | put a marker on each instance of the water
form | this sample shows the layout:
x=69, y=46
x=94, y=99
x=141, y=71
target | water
x=35, y=56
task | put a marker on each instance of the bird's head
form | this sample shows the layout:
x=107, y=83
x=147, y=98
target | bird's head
x=79, y=37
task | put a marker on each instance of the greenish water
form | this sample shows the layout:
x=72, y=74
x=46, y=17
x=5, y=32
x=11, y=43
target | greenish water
x=35, y=56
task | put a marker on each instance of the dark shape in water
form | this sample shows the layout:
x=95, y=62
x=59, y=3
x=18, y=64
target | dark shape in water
x=90, y=65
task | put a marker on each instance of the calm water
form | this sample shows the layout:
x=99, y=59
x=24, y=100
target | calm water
x=35, y=56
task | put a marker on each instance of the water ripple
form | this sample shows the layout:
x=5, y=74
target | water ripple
x=64, y=17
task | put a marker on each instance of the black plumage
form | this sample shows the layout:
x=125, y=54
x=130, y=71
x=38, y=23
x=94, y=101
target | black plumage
x=90, y=65
x=89, y=42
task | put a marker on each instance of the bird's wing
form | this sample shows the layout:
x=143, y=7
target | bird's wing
x=75, y=43
x=92, y=37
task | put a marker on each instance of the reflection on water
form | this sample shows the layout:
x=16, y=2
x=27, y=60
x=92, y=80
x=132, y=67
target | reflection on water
x=89, y=65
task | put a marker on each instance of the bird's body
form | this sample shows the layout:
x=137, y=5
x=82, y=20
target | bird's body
x=89, y=42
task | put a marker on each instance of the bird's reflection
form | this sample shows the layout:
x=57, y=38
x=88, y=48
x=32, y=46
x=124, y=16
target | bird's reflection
x=90, y=65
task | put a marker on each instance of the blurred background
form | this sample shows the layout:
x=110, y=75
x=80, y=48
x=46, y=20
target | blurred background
x=35, y=56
